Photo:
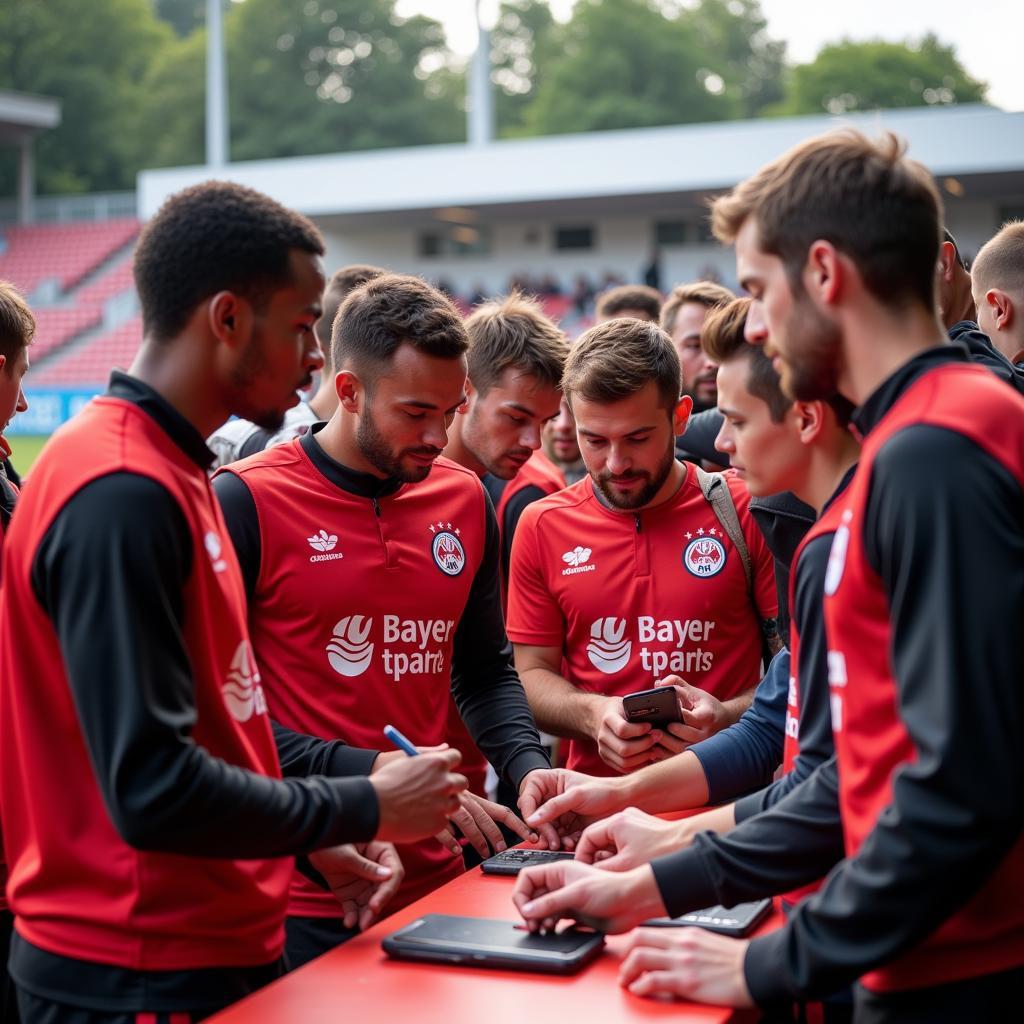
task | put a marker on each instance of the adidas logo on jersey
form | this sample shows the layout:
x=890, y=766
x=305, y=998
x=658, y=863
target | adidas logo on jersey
x=607, y=651
x=242, y=693
x=348, y=651
x=578, y=561
x=324, y=542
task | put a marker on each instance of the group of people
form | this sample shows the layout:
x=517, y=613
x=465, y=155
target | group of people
x=801, y=509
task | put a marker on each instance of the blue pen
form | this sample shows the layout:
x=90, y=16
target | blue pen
x=400, y=741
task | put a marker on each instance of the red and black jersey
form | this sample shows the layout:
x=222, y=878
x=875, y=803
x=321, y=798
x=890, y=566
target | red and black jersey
x=538, y=478
x=355, y=612
x=8, y=499
x=632, y=597
x=77, y=888
x=873, y=743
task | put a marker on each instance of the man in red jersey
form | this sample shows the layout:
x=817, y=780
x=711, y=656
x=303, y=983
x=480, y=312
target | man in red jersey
x=147, y=827
x=17, y=326
x=371, y=567
x=515, y=360
x=837, y=242
x=629, y=576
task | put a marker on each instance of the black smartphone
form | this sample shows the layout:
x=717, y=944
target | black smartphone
x=478, y=942
x=737, y=921
x=658, y=707
x=511, y=862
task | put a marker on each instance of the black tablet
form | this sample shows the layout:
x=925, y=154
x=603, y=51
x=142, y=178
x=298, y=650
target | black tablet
x=511, y=862
x=737, y=921
x=480, y=942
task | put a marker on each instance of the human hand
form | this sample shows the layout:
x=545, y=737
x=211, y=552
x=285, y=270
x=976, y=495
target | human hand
x=476, y=819
x=622, y=744
x=560, y=803
x=686, y=963
x=417, y=795
x=630, y=838
x=364, y=878
x=599, y=899
x=703, y=716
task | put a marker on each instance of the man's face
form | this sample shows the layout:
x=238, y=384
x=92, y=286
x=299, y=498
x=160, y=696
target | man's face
x=502, y=428
x=283, y=352
x=12, y=395
x=697, y=370
x=405, y=415
x=768, y=455
x=559, y=436
x=629, y=446
x=802, y=340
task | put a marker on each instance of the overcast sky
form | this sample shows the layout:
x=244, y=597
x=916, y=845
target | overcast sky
x=988, y=34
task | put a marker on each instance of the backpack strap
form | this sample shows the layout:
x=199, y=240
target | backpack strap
x=717, y=494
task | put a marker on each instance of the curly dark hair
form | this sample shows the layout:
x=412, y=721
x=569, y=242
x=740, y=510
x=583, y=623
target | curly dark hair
x=215, y=237
x=391, y=309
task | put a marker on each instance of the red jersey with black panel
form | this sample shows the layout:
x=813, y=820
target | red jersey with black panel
x=633, y=597
x=76, y=887
x=541, y=473
x=12, y=493
x=872, y=741
x=356, y=607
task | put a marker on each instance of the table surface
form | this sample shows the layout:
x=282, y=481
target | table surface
x=357, y=982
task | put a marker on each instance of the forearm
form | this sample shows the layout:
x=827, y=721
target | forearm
x=675, y=784
x=301, y=755
x=559, y=707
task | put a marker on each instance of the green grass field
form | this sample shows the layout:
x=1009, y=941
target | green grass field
x=24, y=449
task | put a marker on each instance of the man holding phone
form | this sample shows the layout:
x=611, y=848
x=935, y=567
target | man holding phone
x=629, y=575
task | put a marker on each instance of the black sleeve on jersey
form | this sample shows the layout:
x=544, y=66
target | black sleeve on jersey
x=943, y=532
x=514, y=509
x=486, y=688
x=303, y=755
x=816, y=744
x=110, y=573
x=697, y=442
x=243, y=524
x=793, y=844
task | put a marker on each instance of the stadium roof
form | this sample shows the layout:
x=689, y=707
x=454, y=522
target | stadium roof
x=22, y=113
x=978, y=145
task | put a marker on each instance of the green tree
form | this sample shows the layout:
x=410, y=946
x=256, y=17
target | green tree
x=625, y=65
x=335, y=76
x=521, y=52
x=95, y=64
x=848, y=76
x=734, y=36
x=184, y=16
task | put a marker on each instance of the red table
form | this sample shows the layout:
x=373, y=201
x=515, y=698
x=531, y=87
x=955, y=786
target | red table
x=357, y=983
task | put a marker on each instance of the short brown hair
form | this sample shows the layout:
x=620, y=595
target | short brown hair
x=618, y=358
x=342, y=282
x=722, y=339
x=17, y=324
x=1000, y=262
x=704, y=293
x=879, y=208
x=391, y=309
x=514, y=333
x=627, y=297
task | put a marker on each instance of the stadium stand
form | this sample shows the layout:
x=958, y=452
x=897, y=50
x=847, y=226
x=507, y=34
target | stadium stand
x=64, y=252
x=91, y=364
x=57, y=325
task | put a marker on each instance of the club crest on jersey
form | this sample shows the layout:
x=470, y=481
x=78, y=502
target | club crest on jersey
x=449, y=554
x=704, y=554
